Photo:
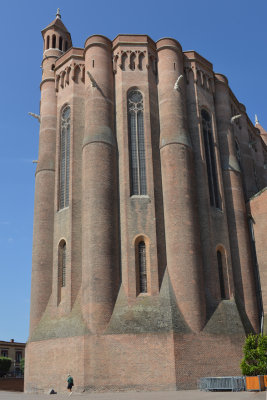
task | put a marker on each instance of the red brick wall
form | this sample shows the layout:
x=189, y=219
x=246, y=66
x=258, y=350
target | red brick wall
x=163, y=361
x=258, y=209
x=12, y=384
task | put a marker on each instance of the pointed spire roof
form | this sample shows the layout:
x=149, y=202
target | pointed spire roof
x=57, y=24
x=263, y=132
x=258, y=125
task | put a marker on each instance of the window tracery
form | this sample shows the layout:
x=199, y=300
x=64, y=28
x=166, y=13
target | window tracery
x=137, y=143
x=64, y=169
x=210, y=159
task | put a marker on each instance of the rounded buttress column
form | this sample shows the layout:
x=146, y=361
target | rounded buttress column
x=243, y=273
x=99, y=188
x=43, y=226
x=184, y=260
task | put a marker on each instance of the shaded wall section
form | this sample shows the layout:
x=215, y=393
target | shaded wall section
x=258, y=209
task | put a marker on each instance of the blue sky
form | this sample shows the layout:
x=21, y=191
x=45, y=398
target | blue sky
x=229, y=33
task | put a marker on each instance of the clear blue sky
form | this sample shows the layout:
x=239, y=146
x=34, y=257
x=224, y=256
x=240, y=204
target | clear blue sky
x=229, y=33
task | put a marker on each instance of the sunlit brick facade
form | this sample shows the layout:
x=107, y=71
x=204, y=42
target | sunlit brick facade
x=144, y=274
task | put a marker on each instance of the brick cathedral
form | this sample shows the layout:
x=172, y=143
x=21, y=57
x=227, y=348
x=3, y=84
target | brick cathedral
x=149, y=245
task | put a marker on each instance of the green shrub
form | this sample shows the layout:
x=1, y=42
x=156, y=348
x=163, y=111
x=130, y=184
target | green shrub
x=254, y=361
x=5, y=364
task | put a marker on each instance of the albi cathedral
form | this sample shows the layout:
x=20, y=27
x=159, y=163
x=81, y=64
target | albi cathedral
x=149, y=246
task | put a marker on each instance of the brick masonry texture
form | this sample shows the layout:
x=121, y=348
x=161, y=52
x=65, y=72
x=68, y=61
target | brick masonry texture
x=192, y=319
x=12, y=384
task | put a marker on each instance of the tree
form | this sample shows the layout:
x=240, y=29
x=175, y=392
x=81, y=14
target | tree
x=254, y=361
x=5, y=364
x=22, y=362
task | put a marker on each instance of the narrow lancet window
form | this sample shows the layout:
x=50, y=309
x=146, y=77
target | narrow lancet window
x=62, y=264
x=142, y=267
x=61, y=268
x=137, y=143
x=221, y=277
x=54, y=41
x=63, y=275
x=210, y=159
x=64, y=170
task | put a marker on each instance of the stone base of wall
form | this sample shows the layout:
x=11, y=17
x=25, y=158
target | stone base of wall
x=12, y=384
x=166, y=361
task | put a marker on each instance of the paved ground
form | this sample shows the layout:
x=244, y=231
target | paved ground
x=180, y=395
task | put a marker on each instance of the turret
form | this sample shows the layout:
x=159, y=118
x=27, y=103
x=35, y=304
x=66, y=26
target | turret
x=184, y=258
x=55, y=35
x=57, y=40
x=99, y=188
x=263, y=132
x=243, y=273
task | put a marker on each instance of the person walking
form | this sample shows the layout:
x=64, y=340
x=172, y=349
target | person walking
x=70, y=384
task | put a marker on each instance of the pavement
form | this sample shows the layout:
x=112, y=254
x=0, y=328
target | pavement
x=179, y=395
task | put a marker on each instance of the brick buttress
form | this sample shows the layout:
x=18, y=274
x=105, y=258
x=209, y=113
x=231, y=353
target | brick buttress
x=184, y=260
x=99, y=188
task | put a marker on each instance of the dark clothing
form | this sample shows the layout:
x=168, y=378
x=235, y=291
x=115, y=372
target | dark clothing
x=70, y=382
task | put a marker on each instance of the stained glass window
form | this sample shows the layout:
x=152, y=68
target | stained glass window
x=210, y=159
x=137, y=143
x=62, y=264
x=221, y=278
x=142, y=267
x=64, y=159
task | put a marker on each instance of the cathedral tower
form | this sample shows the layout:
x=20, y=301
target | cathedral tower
x=56, y=38
x=144, y=270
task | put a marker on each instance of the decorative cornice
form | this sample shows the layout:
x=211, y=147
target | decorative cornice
x=100, y=44
x=44, y=169
x=47, y=80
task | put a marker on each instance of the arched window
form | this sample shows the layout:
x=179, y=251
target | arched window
x=142, y=267
x=77, y=74
x=141, y=61
x=54, y=41
x=137, y=143
x=132, y=61
x=123, y=61
x=62, y=264
x=66, y=45
x=221, y=277
x=60, y=43
x=210, y=159
x=64, y=170
x=47, y=42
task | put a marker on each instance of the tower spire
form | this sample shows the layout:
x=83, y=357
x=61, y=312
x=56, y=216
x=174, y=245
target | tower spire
x=58, y=14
